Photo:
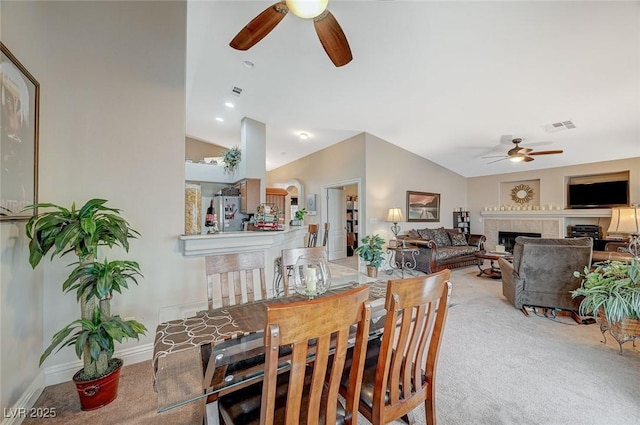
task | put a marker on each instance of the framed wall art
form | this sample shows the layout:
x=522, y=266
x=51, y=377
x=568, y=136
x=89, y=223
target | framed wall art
x=423, y=206
x=20, y=99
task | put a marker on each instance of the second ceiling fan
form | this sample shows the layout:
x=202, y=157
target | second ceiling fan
x=329, y=31
x=522, y=154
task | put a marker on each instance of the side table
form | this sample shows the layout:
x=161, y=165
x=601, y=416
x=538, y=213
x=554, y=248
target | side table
x=492, y=271
x=402, y=258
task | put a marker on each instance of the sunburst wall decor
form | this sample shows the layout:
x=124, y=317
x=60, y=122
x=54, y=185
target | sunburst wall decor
x=522, y=193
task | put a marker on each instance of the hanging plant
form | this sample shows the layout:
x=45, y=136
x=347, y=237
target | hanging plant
x=232, y=158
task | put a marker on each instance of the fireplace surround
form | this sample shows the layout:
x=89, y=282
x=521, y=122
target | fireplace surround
x=508, y=239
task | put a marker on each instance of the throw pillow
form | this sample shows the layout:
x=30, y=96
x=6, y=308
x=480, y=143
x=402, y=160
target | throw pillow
x=441, y=236
x=425, y=234
x=413, y=234
x=458, y=239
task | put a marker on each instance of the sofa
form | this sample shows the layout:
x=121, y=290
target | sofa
x=613, y=251
x=442, y=248
x=541, y=274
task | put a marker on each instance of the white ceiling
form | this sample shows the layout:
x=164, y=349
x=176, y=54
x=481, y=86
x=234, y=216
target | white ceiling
x=446, y=80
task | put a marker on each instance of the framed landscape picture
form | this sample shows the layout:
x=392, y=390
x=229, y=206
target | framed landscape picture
x=423, y=206
x=18, y=138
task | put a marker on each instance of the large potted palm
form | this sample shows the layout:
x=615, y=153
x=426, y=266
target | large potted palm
x=610, y=292
x=82, y=231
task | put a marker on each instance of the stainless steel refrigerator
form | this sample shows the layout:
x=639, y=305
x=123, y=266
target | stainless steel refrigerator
x=228, y=211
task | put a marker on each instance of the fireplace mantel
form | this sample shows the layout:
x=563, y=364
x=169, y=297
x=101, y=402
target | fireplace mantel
x=548, y=223
x=594, y=212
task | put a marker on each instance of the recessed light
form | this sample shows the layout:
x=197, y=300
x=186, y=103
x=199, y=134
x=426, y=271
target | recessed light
x=248, y=64
x=303, y=136
x=219, y=119
x=229, y=105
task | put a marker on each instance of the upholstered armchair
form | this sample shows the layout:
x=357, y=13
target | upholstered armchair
x=541, y=274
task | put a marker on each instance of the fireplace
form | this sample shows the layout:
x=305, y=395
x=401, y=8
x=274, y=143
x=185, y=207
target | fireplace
x=508, y=238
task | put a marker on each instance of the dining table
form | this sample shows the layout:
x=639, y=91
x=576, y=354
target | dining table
x=212, y=352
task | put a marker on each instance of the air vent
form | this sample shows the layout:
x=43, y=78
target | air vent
x=236, y=90
x=559, y=126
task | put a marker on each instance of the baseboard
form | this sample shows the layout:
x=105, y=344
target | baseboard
x=18, y=412
x=64, y=372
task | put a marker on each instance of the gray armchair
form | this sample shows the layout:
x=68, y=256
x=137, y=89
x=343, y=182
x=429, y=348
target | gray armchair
x=542, y=271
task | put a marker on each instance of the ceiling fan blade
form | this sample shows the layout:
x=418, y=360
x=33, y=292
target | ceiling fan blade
x=497, y=160
x=494, y=156
x=332, y=38
x=519, y=151
x=546, y=152
x=527, y=158
x=259, y=27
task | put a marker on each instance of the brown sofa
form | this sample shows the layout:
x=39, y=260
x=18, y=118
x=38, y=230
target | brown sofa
x=542, y=272
x=613, y=251
x=442, y=248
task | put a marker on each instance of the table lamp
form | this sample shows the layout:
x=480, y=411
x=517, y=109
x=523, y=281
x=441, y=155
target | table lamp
x=395, y=215
x=626, y=220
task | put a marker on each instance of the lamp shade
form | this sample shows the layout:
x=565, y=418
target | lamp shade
x=395, y=215
x=625, y=220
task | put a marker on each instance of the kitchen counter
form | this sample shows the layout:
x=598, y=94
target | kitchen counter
x=226, y=242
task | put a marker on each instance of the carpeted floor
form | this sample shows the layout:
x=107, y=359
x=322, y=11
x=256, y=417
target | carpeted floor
x=496, y=366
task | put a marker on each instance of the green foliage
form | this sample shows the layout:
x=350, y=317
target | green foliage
x=371, y=250
x=97, y=333
x=301, y=213
x=82, y=231
x=232, y=158
x=99, y=280
x=614, y=287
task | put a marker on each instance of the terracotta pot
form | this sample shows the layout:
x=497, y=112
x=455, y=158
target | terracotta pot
x=98, y=392
x=372, y=271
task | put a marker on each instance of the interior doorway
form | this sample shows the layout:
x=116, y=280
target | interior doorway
x=334, y=212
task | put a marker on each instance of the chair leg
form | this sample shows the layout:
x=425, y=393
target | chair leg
x=430, y=410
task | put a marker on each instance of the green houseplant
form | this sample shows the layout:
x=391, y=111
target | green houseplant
x=232, y=158
x=611, y=294
x=371, y=252
x=81, y=231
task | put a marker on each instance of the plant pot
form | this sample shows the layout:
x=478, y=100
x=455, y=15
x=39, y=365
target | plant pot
x=372, y=271
x=98, y=392
x=625, y=330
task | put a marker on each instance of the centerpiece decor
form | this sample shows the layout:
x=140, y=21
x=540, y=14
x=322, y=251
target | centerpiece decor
x=311, y=276
x=611, y=294
x=82, y=231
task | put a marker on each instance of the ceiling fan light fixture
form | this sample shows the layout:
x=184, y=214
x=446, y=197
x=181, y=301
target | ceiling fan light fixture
x=307, y=9
x=516, y=159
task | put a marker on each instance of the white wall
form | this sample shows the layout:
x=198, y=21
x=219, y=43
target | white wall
x=112, y=78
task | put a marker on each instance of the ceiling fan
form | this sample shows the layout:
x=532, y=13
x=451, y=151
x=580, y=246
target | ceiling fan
x=521, y=154
x=329, y=32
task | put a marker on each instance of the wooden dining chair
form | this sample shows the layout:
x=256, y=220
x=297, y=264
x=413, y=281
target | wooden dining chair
x=318, y=330
x=232, y=278
x=400, y=369
x=325, y=238
x=289, y=258
x=312, y=241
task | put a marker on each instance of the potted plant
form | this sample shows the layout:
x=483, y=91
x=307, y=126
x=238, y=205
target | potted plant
x=611, y=294
x=232, y=158
x=371, y=252
x=82, y=231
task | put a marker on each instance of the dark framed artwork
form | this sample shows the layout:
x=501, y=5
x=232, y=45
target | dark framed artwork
x=20, y=101
x=423, y=206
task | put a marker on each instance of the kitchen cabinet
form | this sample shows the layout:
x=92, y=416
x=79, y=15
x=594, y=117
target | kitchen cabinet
x=249, y=195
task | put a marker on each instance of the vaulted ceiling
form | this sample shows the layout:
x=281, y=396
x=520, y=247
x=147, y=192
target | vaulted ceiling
x=450, y=81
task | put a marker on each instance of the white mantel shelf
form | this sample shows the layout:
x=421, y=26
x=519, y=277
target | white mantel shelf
x=595, y=212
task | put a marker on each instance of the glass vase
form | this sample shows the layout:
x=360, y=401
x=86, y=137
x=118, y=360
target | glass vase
x=311, y=276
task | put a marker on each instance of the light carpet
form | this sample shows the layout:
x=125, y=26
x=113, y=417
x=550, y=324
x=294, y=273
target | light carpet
x=496, y=366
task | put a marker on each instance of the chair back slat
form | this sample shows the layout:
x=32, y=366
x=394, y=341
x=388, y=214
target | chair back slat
x=232, y=278
x=320, y=327
x=416, y=314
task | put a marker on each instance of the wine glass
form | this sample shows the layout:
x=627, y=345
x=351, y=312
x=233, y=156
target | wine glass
x=311, y=276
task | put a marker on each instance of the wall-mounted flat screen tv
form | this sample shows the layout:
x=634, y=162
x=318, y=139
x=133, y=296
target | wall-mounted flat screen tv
x=598, y=195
